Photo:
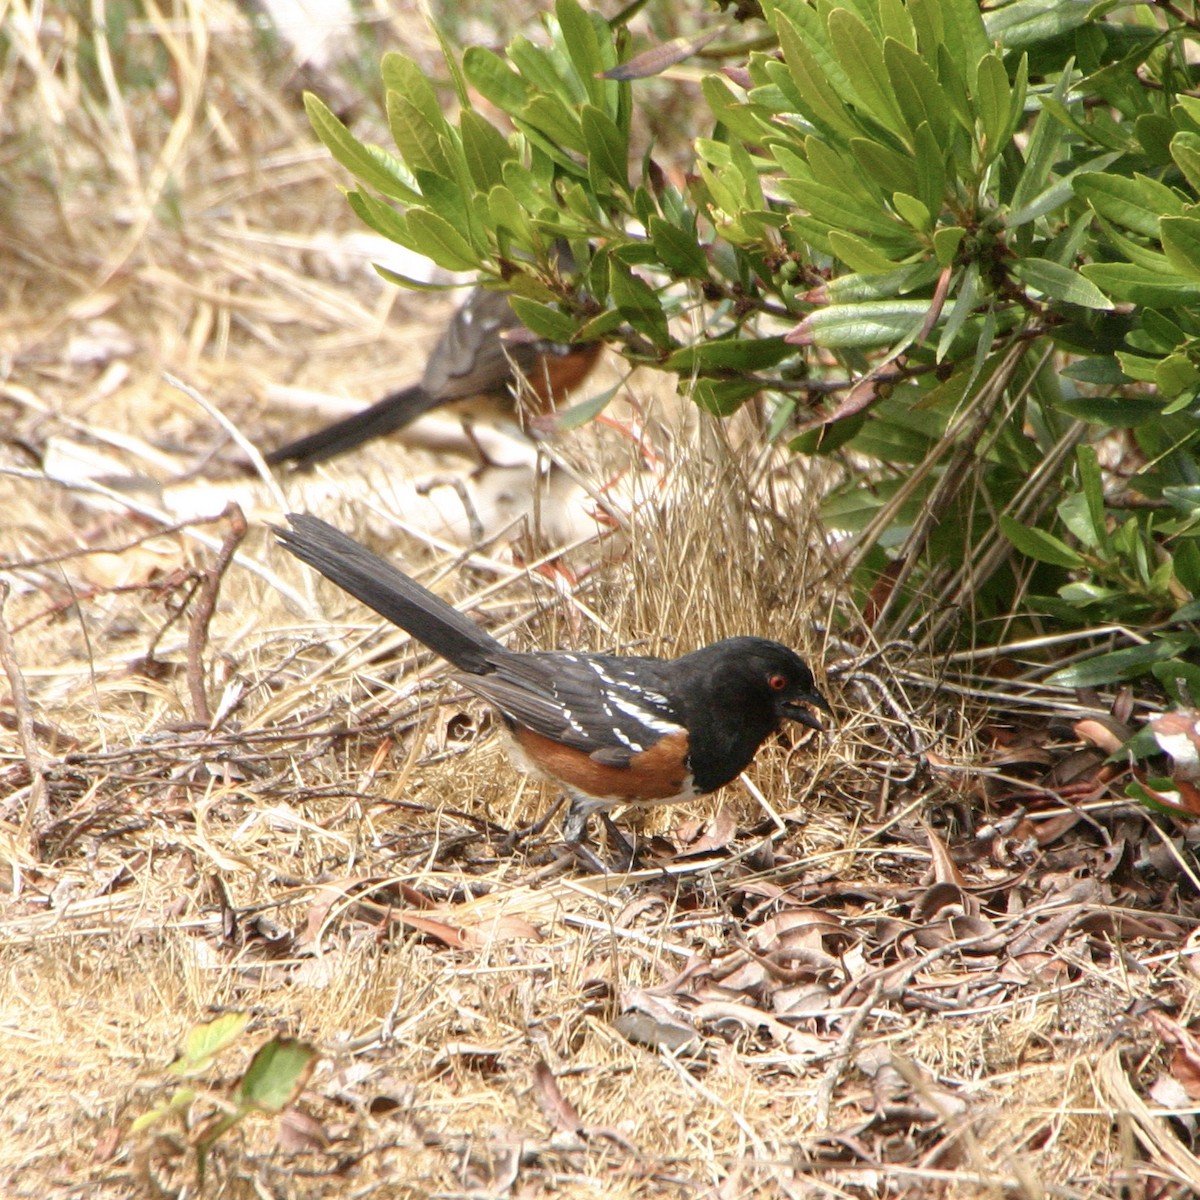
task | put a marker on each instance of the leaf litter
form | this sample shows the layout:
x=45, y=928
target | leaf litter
x=939, y=952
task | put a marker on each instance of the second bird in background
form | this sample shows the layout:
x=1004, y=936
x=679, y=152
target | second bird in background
x=474, y=366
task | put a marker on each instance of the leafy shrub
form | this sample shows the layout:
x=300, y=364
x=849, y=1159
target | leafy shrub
x=963, y=249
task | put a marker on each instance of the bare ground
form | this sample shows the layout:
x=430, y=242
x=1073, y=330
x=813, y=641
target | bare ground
x=932, y=953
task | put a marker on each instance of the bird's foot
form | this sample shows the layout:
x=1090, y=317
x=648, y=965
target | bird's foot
x=574, y=827
x=517, y=836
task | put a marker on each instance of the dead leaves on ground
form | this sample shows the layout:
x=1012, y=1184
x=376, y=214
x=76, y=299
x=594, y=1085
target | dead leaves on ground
x=810, y=979
x=733, y=948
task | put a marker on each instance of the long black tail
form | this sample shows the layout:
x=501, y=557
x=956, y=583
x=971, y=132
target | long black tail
x=391, y=593
x=385, y=416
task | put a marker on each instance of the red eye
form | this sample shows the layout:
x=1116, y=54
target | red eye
x=777, y=682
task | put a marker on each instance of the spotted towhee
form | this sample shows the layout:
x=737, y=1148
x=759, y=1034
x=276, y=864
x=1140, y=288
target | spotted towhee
x=474, y=366
x=609, y=729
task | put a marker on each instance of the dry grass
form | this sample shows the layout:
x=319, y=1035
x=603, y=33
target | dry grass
x=881, y=997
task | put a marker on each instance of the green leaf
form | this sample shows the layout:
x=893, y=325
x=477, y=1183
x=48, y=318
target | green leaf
x=544, y=319
x=859, y=254
x=1126, y=202
x=450, y=57
x=1118, y=664
x=863, y=325
x=495, y=80
x=560, y=124
x=580, y=414
x=506, y=213
x=931, y=169
x=721, y=187
x=723, y=397
x=918, y=92
x=1133, y=251
x=1037, y=544
x=351, y=153
x=1185, y=150
x=583, y=45
x=946, y=242
x=638, y=303
x=964, y=34
x=677, y=249
x=607, y=150
x=964, y=305
x=1165, y=334
x=837, y=209
x=1092, y=483
x=414, y=117
x=811, y=230
x=1016, y=107
x=993, y=99
x=751, y=122
x=1154, y=132
x=452, y=201
x=1168, y=202
x=849, y=289
x=954, y=85
x=1137, y=285
x=485, y=149
x=860, y=56
x=929, y=21
x=826, y=439
x=895, y=22
x=204, y=1042
x=181, y=1100
x=1041, y=153
x=820, y=102
x=1029, y=22
x=1084, y=595
x=1181, y=681
x=1189, y=612
x=891, y=170
x=276, y=1075
x=733, y=352
x=1137, y=367
x=884, y=437
x=600, y=326
x=913, y=212
x=1181, y=244
x=741, y=161
x=437, y=239
x=1059, y=283
x=1100, y=129
x=1186, y=111
x=381, y=217
x=411, y=82
x=1176, y=375
x=1073, y=512
x=542, y=68
x=1103, y=372
x=407, y=281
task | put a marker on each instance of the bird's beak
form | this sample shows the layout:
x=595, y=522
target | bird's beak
x=798, y=711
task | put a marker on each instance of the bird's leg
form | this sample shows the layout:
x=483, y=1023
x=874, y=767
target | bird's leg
x=625, y=849
x=460, y=489
x=527, y=831
x=575, y=825
x=485, y=459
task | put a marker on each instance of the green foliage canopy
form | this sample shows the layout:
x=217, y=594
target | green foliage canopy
x=965, y=247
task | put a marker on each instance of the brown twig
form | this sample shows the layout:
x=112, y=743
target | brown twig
x=205, y=605
x=37, y=810
x=1175, y=11
x=840, y=1054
